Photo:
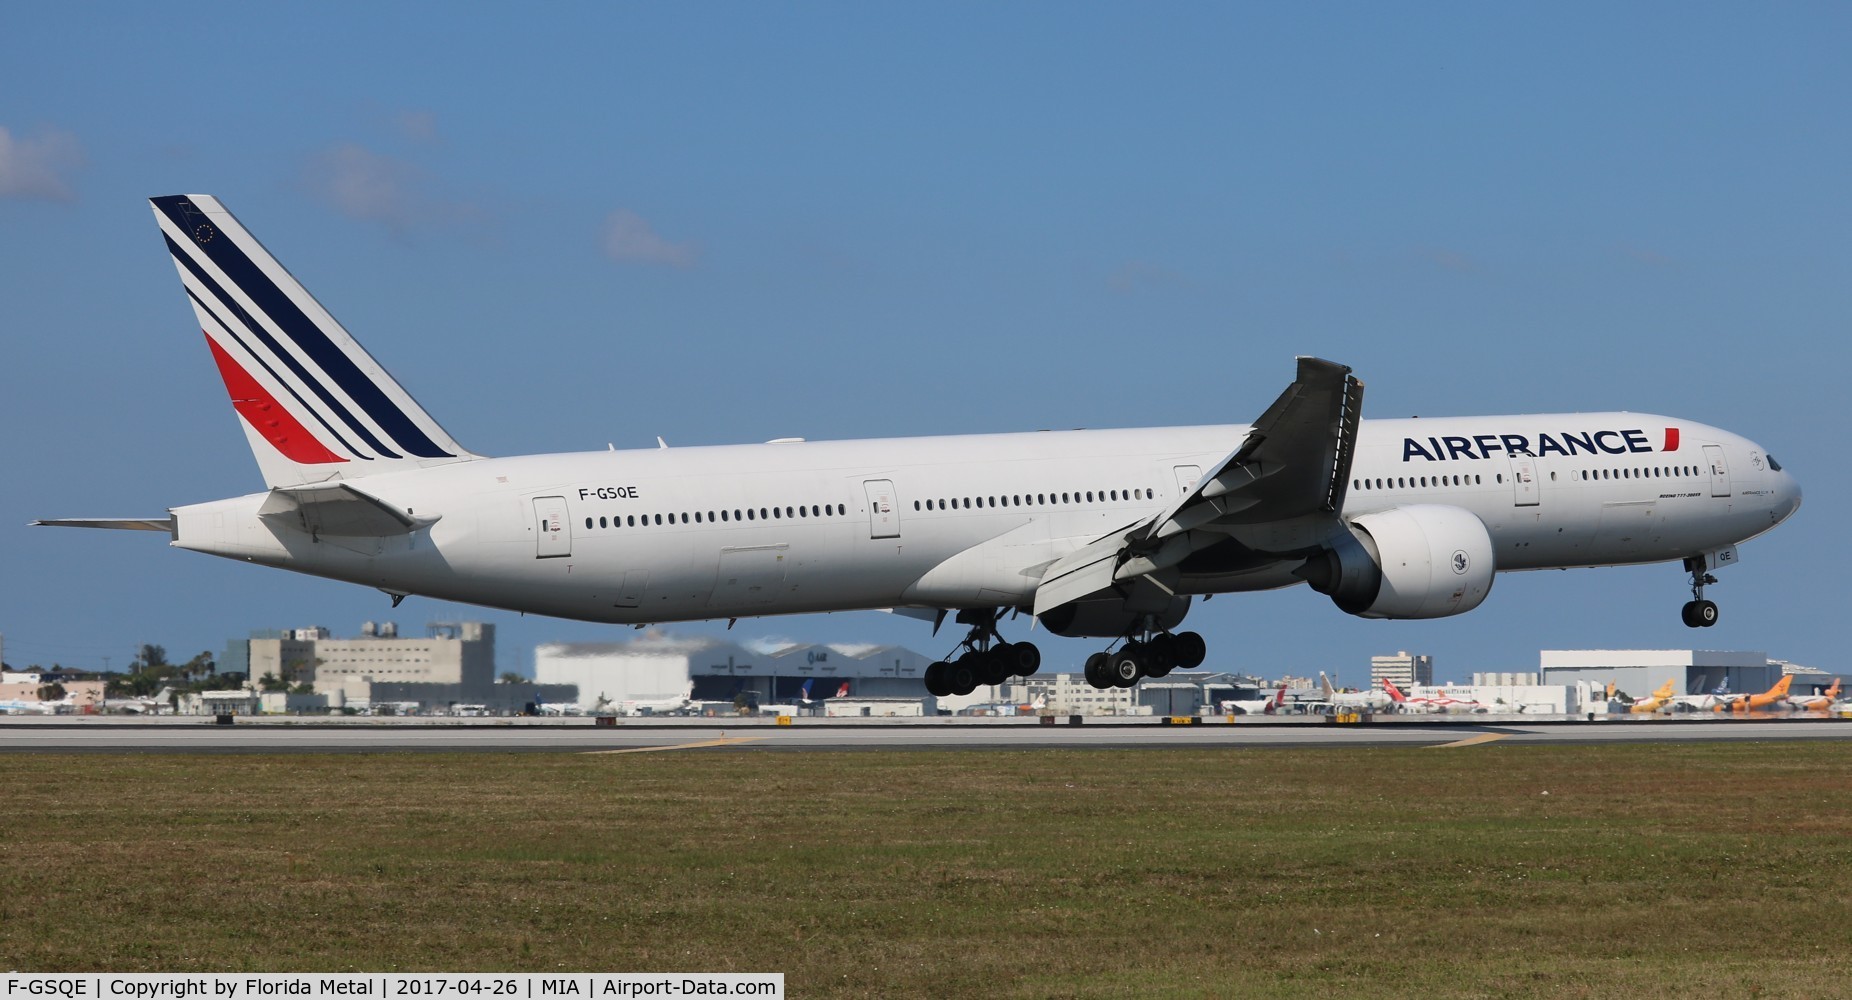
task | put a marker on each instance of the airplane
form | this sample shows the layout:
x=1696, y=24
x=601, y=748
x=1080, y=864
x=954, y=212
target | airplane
x=657, y=706
x=162, y=699
x=1659, y=699
x=1352, y=699
x=1702, y=702
x=1774, y=698
x=1429, y=703
x=806, y=700
x=1108, y=534
x=20, y=706
x=1257, y=706
x=559, y=708
x=1816, y=702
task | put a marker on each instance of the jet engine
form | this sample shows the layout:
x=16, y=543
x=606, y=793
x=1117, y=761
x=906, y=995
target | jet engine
x=1108, y=618
x=1420, y=561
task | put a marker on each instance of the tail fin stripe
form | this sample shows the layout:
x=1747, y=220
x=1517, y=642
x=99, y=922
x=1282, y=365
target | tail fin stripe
x=259, y=409
x=257, y=330
x=232, y=332
x=304, y=332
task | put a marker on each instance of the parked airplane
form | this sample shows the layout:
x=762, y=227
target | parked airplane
x=162, y=699
x=657, y=706
x=1816, y=702
x=806, y=700
x=1774, y=698
x=1256, y=706
x=1661, y=698
x=1417, y=702
x=20, y=706
x=1109, y=534
x=1353, y=699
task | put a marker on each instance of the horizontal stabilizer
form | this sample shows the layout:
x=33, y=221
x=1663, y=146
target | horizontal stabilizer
x=120, y=523
x=338, y=509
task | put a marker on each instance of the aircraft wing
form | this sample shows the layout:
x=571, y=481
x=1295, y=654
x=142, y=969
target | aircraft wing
x=1293, y=464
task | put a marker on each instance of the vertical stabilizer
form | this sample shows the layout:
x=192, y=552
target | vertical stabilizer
x=314, y=404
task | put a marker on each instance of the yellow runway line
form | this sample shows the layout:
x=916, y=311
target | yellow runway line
x=1469, y=741
x=726, y=741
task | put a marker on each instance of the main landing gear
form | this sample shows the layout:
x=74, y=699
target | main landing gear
x=1152, y=656
x=1698, y=612
x=986, y=660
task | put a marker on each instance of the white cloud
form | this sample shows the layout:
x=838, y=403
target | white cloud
x=35, y=167
x=627, y=237
x=372, y=187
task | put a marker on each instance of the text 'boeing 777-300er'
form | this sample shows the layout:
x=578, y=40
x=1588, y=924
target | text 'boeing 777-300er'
x=1107, y=533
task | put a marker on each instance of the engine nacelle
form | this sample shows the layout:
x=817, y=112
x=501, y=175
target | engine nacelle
x=1107, y=618
x=1420, y=561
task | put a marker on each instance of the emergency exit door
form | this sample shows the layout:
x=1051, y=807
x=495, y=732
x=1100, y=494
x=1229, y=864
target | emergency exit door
x=553, y=529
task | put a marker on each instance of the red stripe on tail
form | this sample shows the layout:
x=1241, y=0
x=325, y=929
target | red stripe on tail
x=261, y=410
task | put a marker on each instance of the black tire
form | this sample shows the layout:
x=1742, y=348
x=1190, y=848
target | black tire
x=995, y=666
x=1689, y=615
x=963, y=677
x=1127, y=665
x=1191, y=650
x=1025, y=659
x=1706, y=614
x=1160, y=655
x=1095, y=671
x=936, y=680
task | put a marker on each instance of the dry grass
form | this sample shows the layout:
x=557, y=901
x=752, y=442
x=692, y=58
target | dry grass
x=1719, y=869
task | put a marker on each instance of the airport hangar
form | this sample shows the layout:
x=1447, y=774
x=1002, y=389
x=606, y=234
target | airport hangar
x=658, y=667
x=1638, y=671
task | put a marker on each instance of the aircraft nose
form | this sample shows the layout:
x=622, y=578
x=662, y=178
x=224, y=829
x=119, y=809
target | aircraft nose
x=1789, y=495
x=1787, y=498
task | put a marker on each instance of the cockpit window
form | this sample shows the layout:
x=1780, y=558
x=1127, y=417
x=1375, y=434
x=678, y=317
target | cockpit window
x=1774, y=464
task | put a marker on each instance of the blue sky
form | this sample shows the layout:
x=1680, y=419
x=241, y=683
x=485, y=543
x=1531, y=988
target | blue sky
x=730, y=222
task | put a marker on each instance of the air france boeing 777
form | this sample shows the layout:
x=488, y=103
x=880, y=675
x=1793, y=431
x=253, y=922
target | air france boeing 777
x=1107, y=534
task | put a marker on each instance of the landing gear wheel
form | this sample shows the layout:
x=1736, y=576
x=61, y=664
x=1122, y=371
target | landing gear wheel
x=937, y=682
x=1127, y=665
x=963, y=677
x=1095, y=671
x=1023, y=658
x=1160, y=655
x=1700, y=614
x=1190, y=650
x=994, y=666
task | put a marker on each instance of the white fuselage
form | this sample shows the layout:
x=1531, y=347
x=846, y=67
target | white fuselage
x=972, y=521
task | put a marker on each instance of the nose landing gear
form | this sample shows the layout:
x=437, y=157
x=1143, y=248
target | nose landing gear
x=1698, y=612
x=986, y=659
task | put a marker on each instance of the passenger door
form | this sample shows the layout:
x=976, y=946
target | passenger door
x=1720, y=472
x=883, y=509
x=554, y=528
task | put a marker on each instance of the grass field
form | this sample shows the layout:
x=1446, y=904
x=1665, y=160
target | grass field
x=1654, y=870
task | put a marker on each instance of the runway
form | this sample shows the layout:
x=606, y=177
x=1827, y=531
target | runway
x=188, y=735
